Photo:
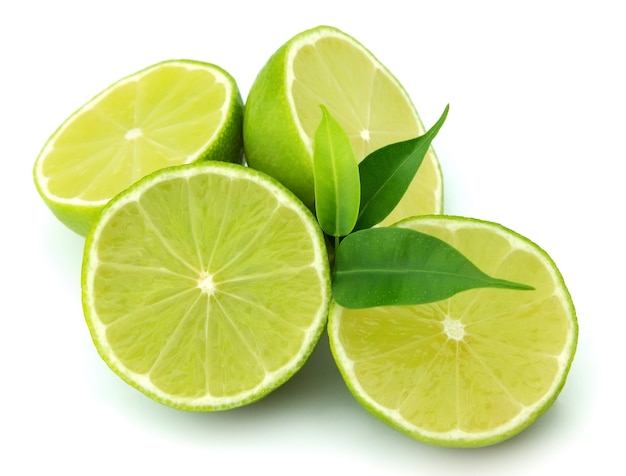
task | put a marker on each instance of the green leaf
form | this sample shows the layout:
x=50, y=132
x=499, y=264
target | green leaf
x=337, y=185
x=387, y=173
x=390, y=266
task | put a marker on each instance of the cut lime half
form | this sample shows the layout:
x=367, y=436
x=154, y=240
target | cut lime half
x=170, y=113
x=205, y=286
x=326, y=66
x=473, y=369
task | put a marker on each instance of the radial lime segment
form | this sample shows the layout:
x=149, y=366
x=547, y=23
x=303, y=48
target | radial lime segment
x=471, y=370
x=326, y=66
x=170, y=113
x=205, y=286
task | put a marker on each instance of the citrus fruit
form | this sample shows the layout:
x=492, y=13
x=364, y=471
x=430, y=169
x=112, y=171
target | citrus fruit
x=170, y=113
x=206, y=285
x=324, y=66
x=473, y=369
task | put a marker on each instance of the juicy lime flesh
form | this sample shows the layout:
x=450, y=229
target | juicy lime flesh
x=157, y=119
x=369, y=104
x=202, y=301
x=473, y=365
x=356, y=92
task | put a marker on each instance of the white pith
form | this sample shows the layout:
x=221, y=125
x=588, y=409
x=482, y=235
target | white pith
x=453, y=328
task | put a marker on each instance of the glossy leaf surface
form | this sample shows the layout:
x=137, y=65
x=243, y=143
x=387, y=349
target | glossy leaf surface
x=337, y=185
x=397, y=266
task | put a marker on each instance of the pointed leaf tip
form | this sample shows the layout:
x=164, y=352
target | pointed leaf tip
x=399, y=266
x=387, y=173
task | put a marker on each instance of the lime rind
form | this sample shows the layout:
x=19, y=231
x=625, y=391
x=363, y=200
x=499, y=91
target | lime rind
x=272, y=379
x=457, y=437
x=279, y=139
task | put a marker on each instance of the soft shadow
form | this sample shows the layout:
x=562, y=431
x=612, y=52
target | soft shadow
x=316, y=401
x=315, y=392
x=62, y=247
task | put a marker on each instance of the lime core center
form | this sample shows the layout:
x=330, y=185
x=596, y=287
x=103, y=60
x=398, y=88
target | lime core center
x=206, y=283
x=133, y=133
x=365, y=135
x=453, y=328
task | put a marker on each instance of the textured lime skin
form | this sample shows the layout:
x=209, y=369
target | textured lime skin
x=271, y=140
x=77, y=218
x=468, y=440
x=227, y=146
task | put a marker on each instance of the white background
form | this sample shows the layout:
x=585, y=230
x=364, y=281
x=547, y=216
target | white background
x=535, y=140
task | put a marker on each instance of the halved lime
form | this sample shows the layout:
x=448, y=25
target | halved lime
x=205, y=286
x=174, y=112
x=471, y=370
x=326, y=66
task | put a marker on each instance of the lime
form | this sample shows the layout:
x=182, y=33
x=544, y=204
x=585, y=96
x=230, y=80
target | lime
x=170, y=113
x=206, y=285
x=326, y=66
x=473, y=369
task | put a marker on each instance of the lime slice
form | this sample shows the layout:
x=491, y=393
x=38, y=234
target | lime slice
x=326, y=66
x=471, y=370
x=171, y=113
x=205, y=286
